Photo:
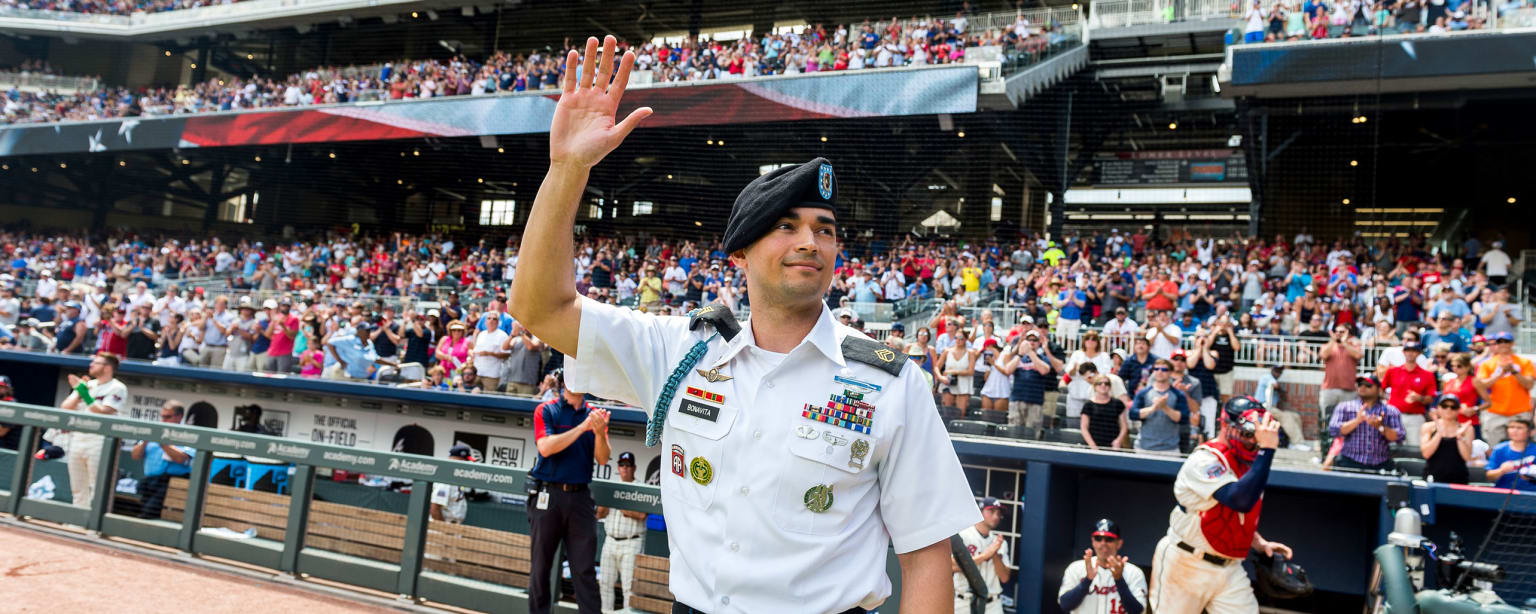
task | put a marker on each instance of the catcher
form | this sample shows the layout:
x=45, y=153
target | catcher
x=1220, y=493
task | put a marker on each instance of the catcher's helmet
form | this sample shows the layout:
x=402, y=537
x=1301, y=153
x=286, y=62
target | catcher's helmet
x=1243, y=412
x=1279, y=578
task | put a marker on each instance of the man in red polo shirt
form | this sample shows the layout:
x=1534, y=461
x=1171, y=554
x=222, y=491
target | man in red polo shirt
x=1412, y=387
x=1160, y=293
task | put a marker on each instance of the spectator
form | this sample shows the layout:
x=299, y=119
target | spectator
x=1510, y=456
x=1033, y=368
x=1495, y=263
x=1498, y=315
x=1341, y=357
x=283, y=329
x=1506, y=380
x=1120, y=329
x=161, y=463
x=1103, y=420
x=492, y=347
x=1447, y=330
x=1163, y=334
x=241, y=333
x=1365, y=428
x=1136, y=364
x=1163, y=411
x=523, y=364
x=217, y=327
x=98, y=393
x=1446, y=443
x=453, y=350
x=69, y=335
x=1412, y=388
x=353, y=352
x=957, y=370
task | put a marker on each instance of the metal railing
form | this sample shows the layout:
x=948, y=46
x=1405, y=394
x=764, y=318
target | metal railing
x=420, y=571
x=1121, y=13
x=33, y=81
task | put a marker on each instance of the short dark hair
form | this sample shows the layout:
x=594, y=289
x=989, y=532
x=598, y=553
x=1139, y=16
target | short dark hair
x=1529, y=426
x=111, y=360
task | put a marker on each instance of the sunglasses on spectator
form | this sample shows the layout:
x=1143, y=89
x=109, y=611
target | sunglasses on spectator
x=1159, y=368
x=1449, y=406
x=1106, y=384
x=1100, y=539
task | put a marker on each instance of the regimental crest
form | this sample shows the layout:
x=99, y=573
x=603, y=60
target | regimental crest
x=825, y=181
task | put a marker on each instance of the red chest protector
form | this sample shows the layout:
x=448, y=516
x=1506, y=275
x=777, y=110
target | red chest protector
x=1229, y=531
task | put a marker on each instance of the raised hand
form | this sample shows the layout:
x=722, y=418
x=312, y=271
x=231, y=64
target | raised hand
x=1115, y=565
x=1268, y=435
x=583, y=130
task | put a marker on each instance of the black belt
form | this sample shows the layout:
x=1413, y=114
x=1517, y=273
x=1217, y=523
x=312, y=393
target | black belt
x=565, y=487
x=679, y=607
x=1218, y=561
x=619, y=539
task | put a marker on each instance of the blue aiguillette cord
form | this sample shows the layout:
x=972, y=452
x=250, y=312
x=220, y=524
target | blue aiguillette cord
x=659, y=415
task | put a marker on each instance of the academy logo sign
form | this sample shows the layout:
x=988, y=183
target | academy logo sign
x=178, y=436
x=84, y=424
x=287, y=450
x=349, y=458
x=412, y=466
x=131, y=430
x=230, y=442
x=40, y=417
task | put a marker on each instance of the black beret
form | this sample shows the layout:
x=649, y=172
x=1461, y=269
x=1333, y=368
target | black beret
x=765, y=200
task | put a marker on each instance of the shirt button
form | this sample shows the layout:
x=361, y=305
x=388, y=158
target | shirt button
x=725, y=600
x=829, y=449
x=745, y=490
x=757, y=434
x=734, y=547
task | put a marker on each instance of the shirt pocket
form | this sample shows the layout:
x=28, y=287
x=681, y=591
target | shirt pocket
x=828, y=471
x=695, y=447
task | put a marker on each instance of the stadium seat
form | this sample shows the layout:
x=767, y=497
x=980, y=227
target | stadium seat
x=971, y=427
x=1016, y=431
x=1070, y=436
x=1411, y=467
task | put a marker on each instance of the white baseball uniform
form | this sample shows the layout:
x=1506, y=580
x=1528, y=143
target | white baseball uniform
x=1211, y=578
x=83, y=456
x=976, y=544
x=1103, y=597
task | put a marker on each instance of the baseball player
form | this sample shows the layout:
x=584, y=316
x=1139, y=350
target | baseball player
x=1220, y=492
x=625, y=531
x=1103, y=582
x=989, y=550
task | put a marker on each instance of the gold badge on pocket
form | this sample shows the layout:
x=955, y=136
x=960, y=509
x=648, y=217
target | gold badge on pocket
x=819, y=498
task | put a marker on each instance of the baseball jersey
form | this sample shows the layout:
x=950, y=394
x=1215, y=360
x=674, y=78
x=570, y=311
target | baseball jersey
x=1199, y=520
x=112, y=394
x=792, y=469
x=452, y=499
x=976, y=544
x=1102, y=597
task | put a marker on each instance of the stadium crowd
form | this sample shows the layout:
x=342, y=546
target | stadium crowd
x=110, y=7
x=1319, y=19
x=1110, y=321
x=816, y=48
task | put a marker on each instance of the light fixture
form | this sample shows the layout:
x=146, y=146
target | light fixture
x=698, y=223
x=501, y=150
x=721, y=143
x=399, y=182
x=258, y=158
x=823, y=139
x=415, y=152
x=63, y=165
x=221, y=82
x=122, y=163
x=194, y=65
x=249, y=56
x=1173, y=125
x=34, y=169
x=185, y=162
x=332, y=155
x=1354, y=163
x=414, y=15
x=1346, y=201
x=167, y=53
x=1510, y=200
x=5, y=167
x=960, y=134
x=668, y=177
x=479, y=180
x=709, y=142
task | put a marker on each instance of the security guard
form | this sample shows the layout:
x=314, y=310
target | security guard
x=798, y=447
x=570, y=437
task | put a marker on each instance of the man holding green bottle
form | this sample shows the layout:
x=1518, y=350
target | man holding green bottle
x=99, y=393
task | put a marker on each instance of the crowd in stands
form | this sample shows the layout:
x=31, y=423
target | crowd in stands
x=1295, y=20
x=110, y=7
x=816, y=48
x=1014, y=324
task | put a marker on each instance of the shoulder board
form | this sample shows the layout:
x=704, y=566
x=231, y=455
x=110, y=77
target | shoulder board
x=718, y=317
x=873, y=353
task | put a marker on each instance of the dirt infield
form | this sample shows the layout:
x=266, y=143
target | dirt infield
x=44, y=573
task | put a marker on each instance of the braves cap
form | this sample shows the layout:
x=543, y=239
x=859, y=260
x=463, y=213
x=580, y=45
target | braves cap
x=627, y=457
x=989, y=503
x=459, y=451
x=1107, y=528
